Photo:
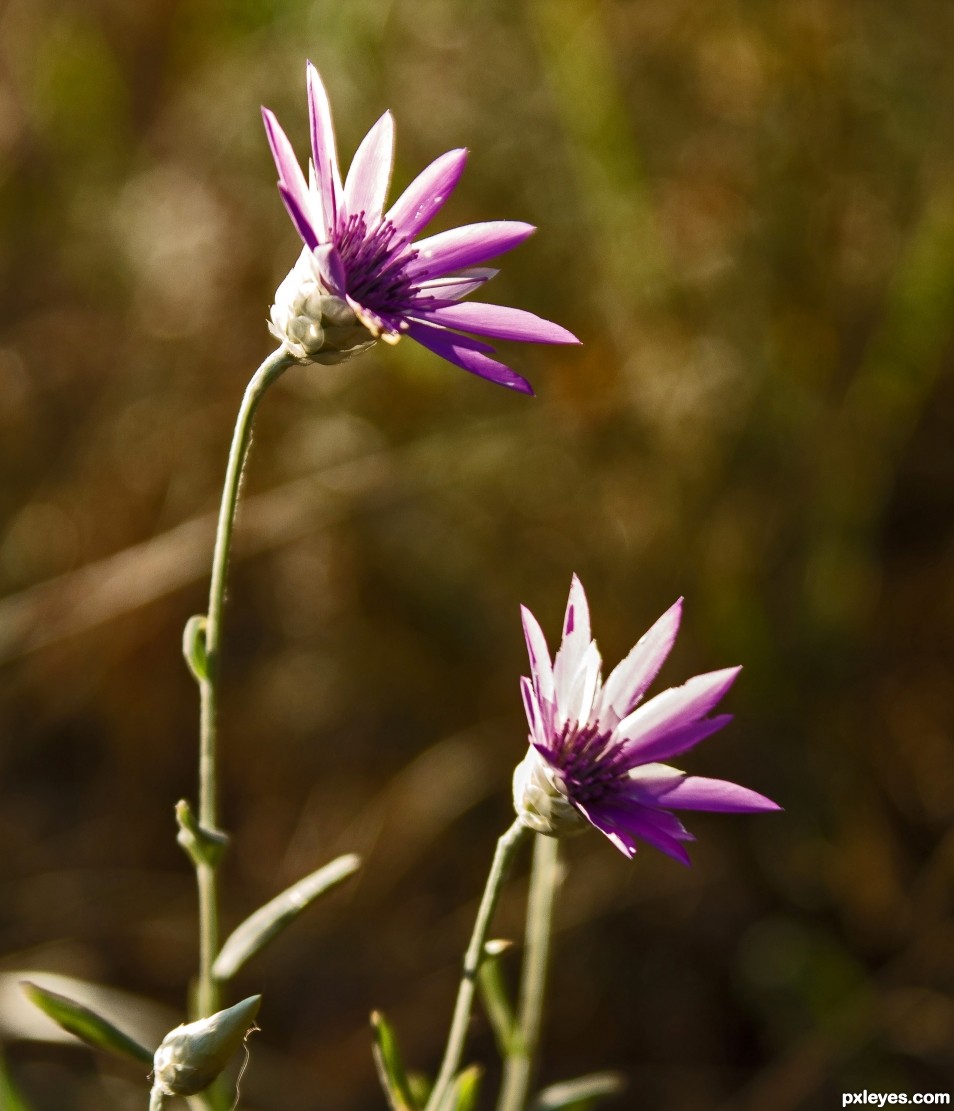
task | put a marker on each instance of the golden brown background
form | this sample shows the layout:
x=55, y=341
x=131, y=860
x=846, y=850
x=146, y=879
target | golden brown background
x=746, y=211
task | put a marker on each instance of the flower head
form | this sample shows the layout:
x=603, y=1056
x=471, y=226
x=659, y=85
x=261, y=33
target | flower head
x=595, y=747
x=362, y=277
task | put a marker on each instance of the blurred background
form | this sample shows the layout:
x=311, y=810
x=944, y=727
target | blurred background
x=746, y=211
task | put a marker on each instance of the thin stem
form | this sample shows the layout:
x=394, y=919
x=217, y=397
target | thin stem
x=519, y=1062
x=503, y=858
x=267, y=373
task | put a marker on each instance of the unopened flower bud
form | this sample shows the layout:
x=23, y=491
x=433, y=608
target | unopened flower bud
x=540, y=798
x=192, y=1056
x=313, y=324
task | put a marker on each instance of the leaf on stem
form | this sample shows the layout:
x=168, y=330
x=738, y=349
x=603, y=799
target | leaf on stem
x=462, y=1094
x=581, y=1094
x=495, y=997
x=420, y=1086
x=85, y=1024
x=193, y=647
x=259, y=928
x=390, y=1066
x=202, y=845
x=10, y=1097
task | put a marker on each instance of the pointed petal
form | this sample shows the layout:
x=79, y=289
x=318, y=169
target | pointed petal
x=694, y=792
x=619, y=836
x=426, y=194
x=366, y=186
x=576, y=640
x=310, y=235
x=466, y=246
x=671, y=743
x=469, y=354
x=441, y=290
x=387, y=326
x=629, y=680
x=541, y=669
x=499, y=322
x=576, y=620
x=331, y=268
x=676, y=707
x=649, y=774
x=622, y=824
x=289, y=171
x=534, y=716
x=576, y=700
x=663, y=821
x=324, y=151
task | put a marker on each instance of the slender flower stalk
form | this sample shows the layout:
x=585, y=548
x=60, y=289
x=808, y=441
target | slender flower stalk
x=519, y=1062
x=206, y=869
x=362, y=276
x=507, y=846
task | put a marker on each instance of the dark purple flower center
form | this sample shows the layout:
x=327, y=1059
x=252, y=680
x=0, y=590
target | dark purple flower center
x=587, y=767
x=375, y=263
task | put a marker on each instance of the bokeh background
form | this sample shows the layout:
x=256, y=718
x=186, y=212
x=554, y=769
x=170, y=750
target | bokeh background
x=746, y=211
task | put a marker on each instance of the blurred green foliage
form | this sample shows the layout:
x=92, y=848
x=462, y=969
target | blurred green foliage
x=746, y=213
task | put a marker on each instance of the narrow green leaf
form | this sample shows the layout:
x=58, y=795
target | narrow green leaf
x=193, y=647
x=580, y=1094
x=10, y=1097
x=85, y=1024
x=494, y=995
x=259, y=928
x=420, y=1087
x=462, y=1094
x=390, y=1066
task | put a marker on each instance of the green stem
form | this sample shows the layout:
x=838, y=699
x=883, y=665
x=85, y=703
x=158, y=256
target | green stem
x=206, y=872
x=503, y=858
x=519, y=1062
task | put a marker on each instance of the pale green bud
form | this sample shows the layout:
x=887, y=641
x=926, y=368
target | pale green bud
x=192, y=1056
x=314, y=325
x=540, y=798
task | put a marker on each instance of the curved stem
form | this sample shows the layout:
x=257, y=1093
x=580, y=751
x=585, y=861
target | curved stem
x=503, y=858
x=518, y=1066
x=267, y=373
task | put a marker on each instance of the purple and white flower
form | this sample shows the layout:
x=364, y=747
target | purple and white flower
x=362, y=276
x=595, y=747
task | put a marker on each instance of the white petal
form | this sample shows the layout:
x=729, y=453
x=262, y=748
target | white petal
x=629, y=680
x=540, y=666
x=576, y=640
